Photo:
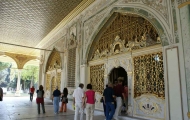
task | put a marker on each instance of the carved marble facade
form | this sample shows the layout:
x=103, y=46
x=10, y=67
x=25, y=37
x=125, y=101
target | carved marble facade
x=156, y=28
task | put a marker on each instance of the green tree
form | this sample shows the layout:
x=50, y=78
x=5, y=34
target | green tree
x=3, y=73
x=29, y=73
x=4, y=65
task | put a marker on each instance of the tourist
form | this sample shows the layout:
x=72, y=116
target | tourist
x=104, y=106
x=78, y=96
x=109, y=101
x=56, y=99
x=126, y=98
x=40, y=99
x=32, y=89
x=119, y=93
x=1, y=94
x=64, y=100
x=89, y=102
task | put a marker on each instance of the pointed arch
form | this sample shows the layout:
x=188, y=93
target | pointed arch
x=144, y=13
x=54, y=60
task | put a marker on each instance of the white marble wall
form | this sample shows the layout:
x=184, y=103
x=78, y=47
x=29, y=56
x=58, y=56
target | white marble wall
x=93, y=17
x=185, y=27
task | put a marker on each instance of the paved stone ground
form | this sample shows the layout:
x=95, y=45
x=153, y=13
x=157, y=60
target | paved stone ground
x=21, y=108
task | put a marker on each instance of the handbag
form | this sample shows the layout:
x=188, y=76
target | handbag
x=64, y=99
x=102, y=100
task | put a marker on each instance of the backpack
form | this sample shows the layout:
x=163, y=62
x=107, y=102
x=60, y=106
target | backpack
x=39, y=94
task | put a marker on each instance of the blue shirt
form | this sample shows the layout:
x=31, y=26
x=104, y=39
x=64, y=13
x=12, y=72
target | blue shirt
x=108, y=94
x=56, y=93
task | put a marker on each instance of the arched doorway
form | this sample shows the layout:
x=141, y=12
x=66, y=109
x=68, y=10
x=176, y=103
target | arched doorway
x=118, y=72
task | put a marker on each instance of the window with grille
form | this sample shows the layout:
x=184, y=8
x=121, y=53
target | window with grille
x=71, y=67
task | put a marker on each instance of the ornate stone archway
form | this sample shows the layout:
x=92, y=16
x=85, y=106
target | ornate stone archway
x=91, y=34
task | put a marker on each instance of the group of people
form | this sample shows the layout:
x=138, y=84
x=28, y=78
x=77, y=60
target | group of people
x=55, y=97
x=84, y=100
x=114, y=97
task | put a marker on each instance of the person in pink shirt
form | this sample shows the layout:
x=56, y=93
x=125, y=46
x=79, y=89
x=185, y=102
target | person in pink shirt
x=89, y=102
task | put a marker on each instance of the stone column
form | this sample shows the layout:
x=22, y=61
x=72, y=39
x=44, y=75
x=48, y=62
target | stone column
x=130, y=93
x=83, y=74
x=40, y=75
x=185, y=28
x=77, y=67
x=106, y=79
x=18, y=82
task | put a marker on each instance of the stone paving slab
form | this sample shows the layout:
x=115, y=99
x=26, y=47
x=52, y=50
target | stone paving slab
x=21, y=108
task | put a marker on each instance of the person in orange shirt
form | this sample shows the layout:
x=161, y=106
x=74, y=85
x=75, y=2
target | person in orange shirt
x=32, y=89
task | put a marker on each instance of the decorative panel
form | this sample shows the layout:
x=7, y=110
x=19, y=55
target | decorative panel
x=149, y=75
x=71, y=67
x=97, y=78
x=54, y=61
x=59, y=80
x=53, y=84
x=132, y=31
x=48, y=81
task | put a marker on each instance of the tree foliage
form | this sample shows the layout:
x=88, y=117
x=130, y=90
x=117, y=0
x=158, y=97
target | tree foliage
x=4, y=65
x=4, y=73
x=30, y=73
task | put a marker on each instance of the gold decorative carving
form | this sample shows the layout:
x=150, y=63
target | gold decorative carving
x=54, y=61
x=53, y=84
x=130, y=31
x=48, y=81
x=59, y=80
x=149, y=75
x=97, y=77
x=188, y=114
x=20, y=59
x=183, y=3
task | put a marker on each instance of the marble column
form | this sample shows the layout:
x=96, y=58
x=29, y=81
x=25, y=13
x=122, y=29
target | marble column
x=130, y=93
x=18, y=82
x=185, y=27
x=106, y=80
x=77, y=67
x=40, y=74
x=83, y=74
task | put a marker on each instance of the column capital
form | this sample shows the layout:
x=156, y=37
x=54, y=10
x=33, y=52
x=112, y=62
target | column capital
x=188, y=114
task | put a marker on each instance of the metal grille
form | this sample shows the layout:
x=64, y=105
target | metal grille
x=48, y=81
x=97, y=78
x=129, y=27
x=71, y=67
x=59, y=80
x=149, y=75
x=54, y=58
x=53, y=84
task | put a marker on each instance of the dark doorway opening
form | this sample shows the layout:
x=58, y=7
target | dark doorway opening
x=119, y=72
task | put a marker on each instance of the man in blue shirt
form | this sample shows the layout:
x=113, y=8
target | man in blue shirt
x=56, y=98
x=109, y=101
